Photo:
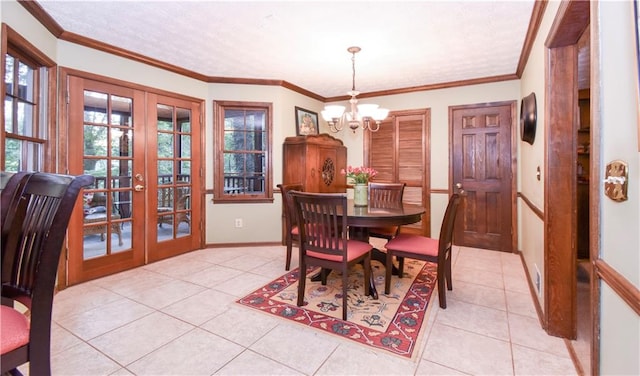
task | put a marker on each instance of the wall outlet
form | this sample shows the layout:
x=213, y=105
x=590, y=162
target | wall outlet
x=538, y=281
x=238, y=222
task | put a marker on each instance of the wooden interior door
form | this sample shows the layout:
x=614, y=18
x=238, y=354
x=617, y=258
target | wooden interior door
x=483, y=165
x=399, y=151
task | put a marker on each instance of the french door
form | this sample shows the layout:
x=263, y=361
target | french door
x=139, y=146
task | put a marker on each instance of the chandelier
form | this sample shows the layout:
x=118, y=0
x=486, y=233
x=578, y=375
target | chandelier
x=361, y=115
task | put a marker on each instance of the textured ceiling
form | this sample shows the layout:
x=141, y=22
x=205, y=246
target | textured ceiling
x=404, y=43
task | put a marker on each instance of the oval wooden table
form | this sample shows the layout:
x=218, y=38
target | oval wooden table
x=361, y=218
x=367, y=216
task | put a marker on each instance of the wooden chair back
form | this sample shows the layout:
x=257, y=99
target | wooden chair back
x=386, y=195
x=320, y=223
x=289, y=208
x=291, y=233
x=34, y=229
x=445, y=241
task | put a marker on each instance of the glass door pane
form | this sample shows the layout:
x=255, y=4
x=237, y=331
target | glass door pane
x=174, y=172
x=107, y=155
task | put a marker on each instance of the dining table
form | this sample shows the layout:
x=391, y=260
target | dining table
x=361, y=218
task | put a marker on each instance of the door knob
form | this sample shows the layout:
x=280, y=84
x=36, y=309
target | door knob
x=458, y=185
x=139, y=188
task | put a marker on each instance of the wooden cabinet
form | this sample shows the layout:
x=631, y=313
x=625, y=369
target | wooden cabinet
x=315, y=161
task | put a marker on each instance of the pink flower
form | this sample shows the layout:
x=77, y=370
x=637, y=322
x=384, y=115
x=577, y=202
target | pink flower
x=360, y=175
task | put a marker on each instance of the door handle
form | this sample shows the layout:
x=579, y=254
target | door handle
x=138, y=188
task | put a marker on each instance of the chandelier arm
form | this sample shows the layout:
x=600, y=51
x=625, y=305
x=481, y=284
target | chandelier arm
x=341, y=121
x=376, y=128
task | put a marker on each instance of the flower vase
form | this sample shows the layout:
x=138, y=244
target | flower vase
x=360, y=192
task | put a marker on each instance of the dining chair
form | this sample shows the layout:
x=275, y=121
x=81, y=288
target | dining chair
x=33, y=232
x=291, y=233
x=385, y=195
x=427, y=249
x=324, y=241
x=10, y=186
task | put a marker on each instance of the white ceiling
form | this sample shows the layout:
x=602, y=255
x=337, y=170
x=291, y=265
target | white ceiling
x=404, y=43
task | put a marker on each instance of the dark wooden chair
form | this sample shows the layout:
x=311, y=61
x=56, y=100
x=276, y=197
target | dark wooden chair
x=324, y=242
x=426, y=249
x=10, y=184
x=385, y=195
x=291, y=233
x=33, y=231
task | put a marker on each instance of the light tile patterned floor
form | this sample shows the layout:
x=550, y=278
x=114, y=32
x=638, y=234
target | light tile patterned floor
x=178, y=317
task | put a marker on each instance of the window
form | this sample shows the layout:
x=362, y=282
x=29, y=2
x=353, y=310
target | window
x=26, y=81
x=243, y=152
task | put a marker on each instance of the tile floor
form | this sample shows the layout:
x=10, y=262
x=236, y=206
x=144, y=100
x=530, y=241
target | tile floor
x=178, y=317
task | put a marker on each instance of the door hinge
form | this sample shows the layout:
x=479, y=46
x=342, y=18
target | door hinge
x=66, y=94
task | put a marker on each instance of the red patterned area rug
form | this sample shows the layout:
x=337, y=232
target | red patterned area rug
x=393, y=322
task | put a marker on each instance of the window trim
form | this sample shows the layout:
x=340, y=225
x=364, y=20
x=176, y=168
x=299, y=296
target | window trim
x=219, y=108
x=18, y=46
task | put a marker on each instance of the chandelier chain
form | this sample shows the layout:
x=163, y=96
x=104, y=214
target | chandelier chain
x=353, y=70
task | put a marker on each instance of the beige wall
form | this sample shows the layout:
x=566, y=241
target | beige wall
x=620, y=222
x=21, y=21
x=439, y=102
x=530, y=157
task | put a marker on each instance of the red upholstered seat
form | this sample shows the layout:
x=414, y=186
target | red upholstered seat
x=14, y=327
x=427, y=249
x=355, y=249
x=420, y=245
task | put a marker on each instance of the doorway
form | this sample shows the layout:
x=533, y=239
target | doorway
x=565, y=139
x=142, y=149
